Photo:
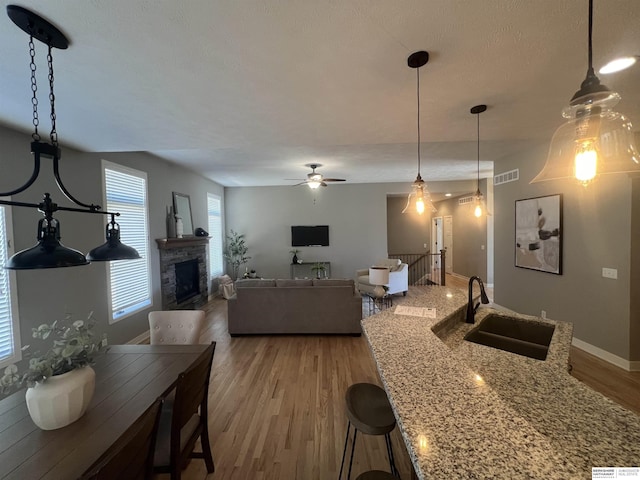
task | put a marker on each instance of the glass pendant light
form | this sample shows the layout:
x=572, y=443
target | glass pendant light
x=419, y=187
x=479, y=203
x=595, y=140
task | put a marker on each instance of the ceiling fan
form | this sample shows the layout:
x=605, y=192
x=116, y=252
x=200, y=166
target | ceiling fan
x=315, y=179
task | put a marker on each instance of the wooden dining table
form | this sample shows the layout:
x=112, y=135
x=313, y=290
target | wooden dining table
x=129, y=378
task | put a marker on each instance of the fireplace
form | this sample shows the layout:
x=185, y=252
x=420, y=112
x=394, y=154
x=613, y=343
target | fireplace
x=183, y=272
x=187, y=280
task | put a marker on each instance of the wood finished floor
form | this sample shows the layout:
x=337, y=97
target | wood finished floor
x=276, y=406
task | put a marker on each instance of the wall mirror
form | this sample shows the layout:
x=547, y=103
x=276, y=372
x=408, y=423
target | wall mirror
x=182, y=208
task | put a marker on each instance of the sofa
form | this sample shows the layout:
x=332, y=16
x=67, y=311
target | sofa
x=398, y=277
x=300, y=306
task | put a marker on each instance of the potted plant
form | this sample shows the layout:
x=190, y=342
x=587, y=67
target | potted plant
x=319, y=268
x=295, y=252
x=61, y=381
x=235, y=252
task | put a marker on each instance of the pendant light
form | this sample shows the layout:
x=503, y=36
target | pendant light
x=480, y=207
x=419, y=187
x=49, y=252
x=595, y=140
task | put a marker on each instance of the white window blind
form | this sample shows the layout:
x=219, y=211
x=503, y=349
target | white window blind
x=9, y=331
x=215, y=232
x=129, y=280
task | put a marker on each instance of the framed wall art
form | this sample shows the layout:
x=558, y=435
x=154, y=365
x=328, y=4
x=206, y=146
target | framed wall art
x=538, y=242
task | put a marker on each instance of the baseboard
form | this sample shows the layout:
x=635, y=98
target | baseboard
x=140, y=339
x=627, y=365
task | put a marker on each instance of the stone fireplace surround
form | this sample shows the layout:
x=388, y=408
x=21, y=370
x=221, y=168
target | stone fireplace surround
x=176, y=250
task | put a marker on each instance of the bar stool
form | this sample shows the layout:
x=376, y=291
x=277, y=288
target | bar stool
x=376, y=475
x=369, y=410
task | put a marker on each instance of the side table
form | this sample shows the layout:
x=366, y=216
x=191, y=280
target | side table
x=379, y=303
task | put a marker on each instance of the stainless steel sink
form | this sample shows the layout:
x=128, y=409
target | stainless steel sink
x=514, y=335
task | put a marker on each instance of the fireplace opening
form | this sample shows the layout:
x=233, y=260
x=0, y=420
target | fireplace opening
x=187, y=280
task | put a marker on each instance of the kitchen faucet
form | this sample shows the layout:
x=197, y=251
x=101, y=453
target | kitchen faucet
x=471, y=310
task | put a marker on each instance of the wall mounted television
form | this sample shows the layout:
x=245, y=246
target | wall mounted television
x=310, y=236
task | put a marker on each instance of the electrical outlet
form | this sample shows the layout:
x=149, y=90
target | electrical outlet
x=543, y=314
x=425, y=245
x=610, y=273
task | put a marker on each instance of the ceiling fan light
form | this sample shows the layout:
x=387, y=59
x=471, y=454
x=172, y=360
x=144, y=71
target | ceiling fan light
x=313, y=184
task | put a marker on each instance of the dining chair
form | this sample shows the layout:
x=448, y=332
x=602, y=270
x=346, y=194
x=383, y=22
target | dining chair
x=175, y=327
x=131, y=456
x=181, y=424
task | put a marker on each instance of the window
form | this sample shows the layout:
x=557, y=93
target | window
x=9, y=328
x=215, y=231
x=129, y=280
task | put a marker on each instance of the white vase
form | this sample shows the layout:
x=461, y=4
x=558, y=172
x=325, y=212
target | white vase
x=61, y=399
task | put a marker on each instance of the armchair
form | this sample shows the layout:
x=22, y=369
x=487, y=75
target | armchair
x=398, y=277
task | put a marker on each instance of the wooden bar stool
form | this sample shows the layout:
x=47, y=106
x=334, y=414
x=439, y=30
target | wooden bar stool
x=369, y=410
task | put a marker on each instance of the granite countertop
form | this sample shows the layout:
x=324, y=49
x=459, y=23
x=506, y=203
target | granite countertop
x=471, y=411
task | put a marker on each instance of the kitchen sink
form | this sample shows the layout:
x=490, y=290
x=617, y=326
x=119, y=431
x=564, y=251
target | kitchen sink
x=514, y=335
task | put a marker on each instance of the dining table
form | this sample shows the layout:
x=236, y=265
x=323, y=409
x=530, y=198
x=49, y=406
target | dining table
x=129, y=378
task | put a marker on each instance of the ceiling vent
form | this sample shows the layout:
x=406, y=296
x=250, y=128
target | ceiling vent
x=506, y=177
x=465, y=200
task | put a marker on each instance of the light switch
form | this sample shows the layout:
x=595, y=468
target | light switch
x=610, y=273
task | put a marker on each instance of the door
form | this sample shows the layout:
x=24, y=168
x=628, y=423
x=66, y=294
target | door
x=448, y=243
x=436, y=240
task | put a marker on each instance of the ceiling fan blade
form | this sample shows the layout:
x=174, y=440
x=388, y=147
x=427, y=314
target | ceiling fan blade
x=322, y=184
x=334, y=180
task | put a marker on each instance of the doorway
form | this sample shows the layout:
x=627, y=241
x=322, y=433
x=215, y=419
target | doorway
x=436, y=240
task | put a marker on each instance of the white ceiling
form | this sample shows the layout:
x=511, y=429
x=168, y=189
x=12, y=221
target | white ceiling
x=247, y=92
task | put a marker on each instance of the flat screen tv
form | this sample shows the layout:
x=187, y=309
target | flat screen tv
x=310, y=236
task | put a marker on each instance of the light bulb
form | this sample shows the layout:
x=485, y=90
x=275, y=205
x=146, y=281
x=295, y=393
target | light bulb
x=586, y=162
x=313, y=184
x=478, y=211
x=420, y=205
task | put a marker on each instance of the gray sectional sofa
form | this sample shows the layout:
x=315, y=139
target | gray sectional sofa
x=305, y=306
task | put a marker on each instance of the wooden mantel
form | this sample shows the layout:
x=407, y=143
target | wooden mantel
x=169, y=243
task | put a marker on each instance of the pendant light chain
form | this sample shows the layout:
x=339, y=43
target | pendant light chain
x=34, y=89
x=52, y=99
x=590, y=49
x=418, y=94
x=478, y=149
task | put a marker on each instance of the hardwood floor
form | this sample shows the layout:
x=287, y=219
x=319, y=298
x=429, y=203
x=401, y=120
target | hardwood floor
x=276, y=407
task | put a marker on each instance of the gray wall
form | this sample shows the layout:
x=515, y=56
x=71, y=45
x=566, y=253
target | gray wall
x=357, y=215
x=469, y=237
x=46, y=295
x=407, y=232
x=597, y=233
x=634, y=291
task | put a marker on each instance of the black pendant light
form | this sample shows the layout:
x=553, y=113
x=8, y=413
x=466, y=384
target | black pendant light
x=480, y=207
x=595, y=140
x=112, y=249
x=419, y=187
x=49, y=252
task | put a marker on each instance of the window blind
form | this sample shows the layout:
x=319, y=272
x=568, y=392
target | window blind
x=129, y=280
x=8, y=330
x=215, y=232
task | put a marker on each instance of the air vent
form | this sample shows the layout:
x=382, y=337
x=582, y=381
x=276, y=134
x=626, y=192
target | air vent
x=465, y=200
x=506, y=177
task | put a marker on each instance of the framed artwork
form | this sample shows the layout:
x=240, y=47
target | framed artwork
x=182, y=209
x=538, y=242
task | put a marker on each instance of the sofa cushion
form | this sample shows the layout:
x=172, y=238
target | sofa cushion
x=392, y=263
x=298, y=282
x=333, y=282
x=255, y=282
